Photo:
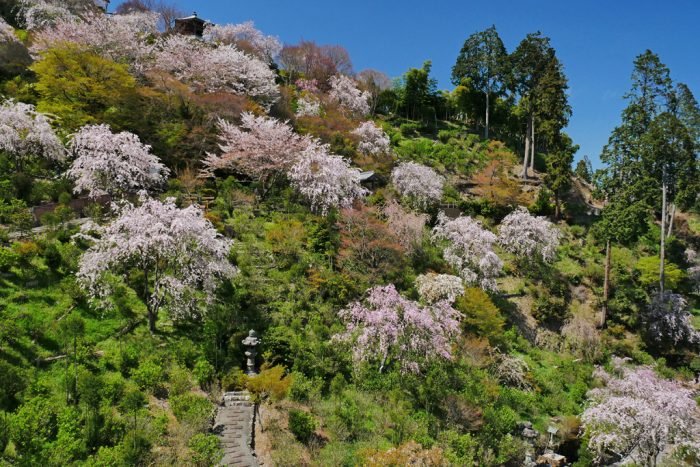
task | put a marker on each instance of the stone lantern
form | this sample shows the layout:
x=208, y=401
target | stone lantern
x=251, y=342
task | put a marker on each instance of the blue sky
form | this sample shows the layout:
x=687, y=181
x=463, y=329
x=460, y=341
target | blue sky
x=596, y=40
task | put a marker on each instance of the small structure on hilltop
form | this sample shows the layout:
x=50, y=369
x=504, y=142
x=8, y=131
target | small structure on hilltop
x=190, y=25
x=103, y=4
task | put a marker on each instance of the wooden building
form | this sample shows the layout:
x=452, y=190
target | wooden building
x=190, y=25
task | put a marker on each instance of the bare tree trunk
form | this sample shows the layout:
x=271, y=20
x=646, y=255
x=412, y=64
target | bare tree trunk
x=606, y=283
x=671, y=216
x=152, y=318
x=662, y=254
x=527, y=149
x=486, y=128
x=532, y=143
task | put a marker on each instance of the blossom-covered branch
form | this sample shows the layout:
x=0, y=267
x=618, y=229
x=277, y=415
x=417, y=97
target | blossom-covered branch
x=527, y=236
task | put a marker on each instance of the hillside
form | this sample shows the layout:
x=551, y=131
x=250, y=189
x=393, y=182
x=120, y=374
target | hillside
x=423, y=294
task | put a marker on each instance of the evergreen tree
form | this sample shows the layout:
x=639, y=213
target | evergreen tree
x=482, y=61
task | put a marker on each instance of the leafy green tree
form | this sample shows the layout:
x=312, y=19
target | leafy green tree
x=418, y=92
x=559, y=173
x=537, y=77
x=70, y=329
x=482, y=61
x=584, y=169
x=80, y=87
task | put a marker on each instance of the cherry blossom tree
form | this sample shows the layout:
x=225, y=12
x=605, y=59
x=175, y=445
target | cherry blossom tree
x=308, y=85
x=326, y=180
x=636, y=415
x=407, y=226
x=308, y=106
x=348, y=96
x=7, y=33
x=387, y=327
x=24, y=133
x=419, y=183
x=373, y=140
x=668, y=321
x=121, y=38
x=469, y=250
x=113, y=163
x=39, y=14
x=216, y=68
x=433, y=288
x=261, y=147
x=246, y=37
x=528, y=236
x=691, y=256
x=177, y=251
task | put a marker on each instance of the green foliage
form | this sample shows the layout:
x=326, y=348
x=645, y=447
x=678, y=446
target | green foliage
x=149, y=375
x=480, y=316
x=80, y=87
x=649, y=267
x=204, y=373
x=205, y=450
x=270, y=383
x=302, y=425
x=193, y=410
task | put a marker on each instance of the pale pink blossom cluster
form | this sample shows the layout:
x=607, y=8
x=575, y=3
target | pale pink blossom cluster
x=326, y=180
x=7, y=32
x=434, y=287
x=511, y=370
x=212, y=68
x=417, y=182
x=308, y=106
x=469, y=250
x=178, y=251
x=373, y=139
x=407, y=226
x=261, y=147
x=40, y=14
x=121, y=38
x=668, y=320
x=528, y=236
x=307, y=85
x=637, y=415
x=691, y=256
x=113, y=163
x=348, y=96
x=387, y=328
x=247, y=36
x=24, y=132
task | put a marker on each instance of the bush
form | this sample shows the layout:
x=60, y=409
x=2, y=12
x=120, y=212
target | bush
x=409, y=129
x=204, y=373
x=149, y=375
x=270, y=383
x=302, y=425
x=648, y=268
x=8, y=259
x=193, y=410
x=205, y=450
x=481, y=316
x=304, y=389
x=179, y=381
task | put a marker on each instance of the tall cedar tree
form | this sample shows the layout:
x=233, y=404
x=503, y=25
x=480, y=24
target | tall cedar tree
x=482, y=60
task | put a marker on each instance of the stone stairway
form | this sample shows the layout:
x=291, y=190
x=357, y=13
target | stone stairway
x=234, y=426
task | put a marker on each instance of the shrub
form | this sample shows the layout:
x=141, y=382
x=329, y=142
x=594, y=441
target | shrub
x=304, y=389
x=481, y=316
x=302, y=425
x=193, y=410
x=149, y=375
x=234, y=380
x=8, y=259
x=271, y=383
x=205, y=450
x=179, y=381
x=204, y=373
x=648, y=268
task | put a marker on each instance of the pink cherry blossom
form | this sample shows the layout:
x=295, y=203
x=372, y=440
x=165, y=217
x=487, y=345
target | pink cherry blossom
x=24, y=132
x=468, y=248
x=408, y=226
x=326, y=180
x=419, y=183
x=527, y=236
x=213, y=68
x=433, y=287
x=637, y=414
x=178, y=251
x=245, y=35
x=668, y=320
x=113, y=163
x=121, y=38
x=261, y=147
x=7, y=33
x=347, y=95
x=308, y=106
x=386, y=328
x=40, y=14
x=373, y=140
